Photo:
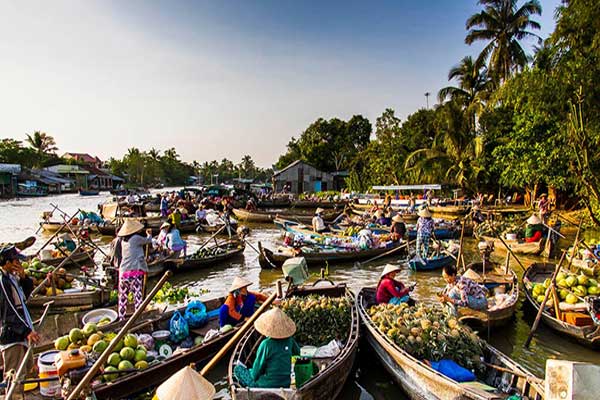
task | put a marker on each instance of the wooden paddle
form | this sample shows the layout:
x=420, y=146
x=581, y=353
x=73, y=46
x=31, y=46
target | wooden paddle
x=242, y=330
x=387, y=253
x=113, y=343
x=543, y=303
x=17, y=377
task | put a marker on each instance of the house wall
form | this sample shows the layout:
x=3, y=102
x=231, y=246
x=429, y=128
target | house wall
x=304, y=178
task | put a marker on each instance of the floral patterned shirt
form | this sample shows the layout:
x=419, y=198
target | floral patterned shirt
x=462, y=288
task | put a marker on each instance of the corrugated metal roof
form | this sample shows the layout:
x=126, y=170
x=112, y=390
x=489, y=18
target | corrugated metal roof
x=10, y=168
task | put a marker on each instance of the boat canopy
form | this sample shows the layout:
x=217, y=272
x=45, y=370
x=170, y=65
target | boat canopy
x=408, y=187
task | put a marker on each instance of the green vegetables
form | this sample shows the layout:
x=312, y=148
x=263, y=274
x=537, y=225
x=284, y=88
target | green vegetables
x=429, y=333
x=169, y=294
x=319, y=319
x=509, y=224
x=207, y=252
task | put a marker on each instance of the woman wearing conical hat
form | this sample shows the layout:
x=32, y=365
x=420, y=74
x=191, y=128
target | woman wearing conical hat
x=273, y=363
x=240, y=302
x=425, y=228
x=390, y=290
x=534, y=229
x=398, y=228
x=132, y=264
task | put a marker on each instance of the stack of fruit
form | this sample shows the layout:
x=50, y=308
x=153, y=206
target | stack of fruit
x=429, y=333
x=127, y=355
x=571, y=288
x=37, y=271
x=319, y=319
x=87, y=339
x=206, y=252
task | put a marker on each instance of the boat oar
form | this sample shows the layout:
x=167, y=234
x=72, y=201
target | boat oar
x=460, y=245
x=17, y=377
x=543, y=303
x=59, y=230
x=242, y=330
x=508, y=248
x=387, y=253
x=212, y=237
x=113, y=343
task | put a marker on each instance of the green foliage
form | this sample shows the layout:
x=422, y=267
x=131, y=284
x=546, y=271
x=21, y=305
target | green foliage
x=13, y=152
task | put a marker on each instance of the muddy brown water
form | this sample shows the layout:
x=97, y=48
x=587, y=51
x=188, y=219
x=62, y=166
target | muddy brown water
x=20, y=218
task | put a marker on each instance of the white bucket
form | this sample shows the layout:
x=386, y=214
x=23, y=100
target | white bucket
x=511, y=236
x=45, y=254
x=47, y=369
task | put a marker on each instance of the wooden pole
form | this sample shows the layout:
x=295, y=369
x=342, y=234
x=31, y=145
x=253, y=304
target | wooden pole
x=460, y=245
x=113, y=343
x=63, y=262
x=543, y=304
x=575, y=244
x=211, y=238
x=387, y=253
x=509, y=249
x=56, y=233
x=238, y=334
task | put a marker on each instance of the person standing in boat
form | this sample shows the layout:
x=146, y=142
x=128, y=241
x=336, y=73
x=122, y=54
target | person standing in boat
x=544, y=207
x=462, y=291
x=318, y=224
x=425, y=227
x=389, y=290
x=412, y=202
x=398, y=228
x=132, y=265
x=164, y=206
x=273, y=363
x=240, y=302
x=16, y=326
x=175, y=218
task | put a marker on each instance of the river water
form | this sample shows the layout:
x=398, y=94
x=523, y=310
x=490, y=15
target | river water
x=20, y=218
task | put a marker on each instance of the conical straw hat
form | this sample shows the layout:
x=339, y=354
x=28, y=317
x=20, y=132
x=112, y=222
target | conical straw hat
x=319, y=211
x=275, y=324
x=425, y=213
x=129, y=227
x=534, y=220
x=239, y=283
x=186, y=384
x=389, y=268
x=397, y=218
x=472, y=275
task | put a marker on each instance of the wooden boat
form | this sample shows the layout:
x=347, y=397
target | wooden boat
x=495, y=276
x=274, y=203
x=579, y=265
x=361, y=209
x=420, y=381
x=152, y=207
x=83, y=192
x=438, y=233
x=205, y=228
x=154, y=375
x=450, y=210
x=80, y=257
x=274, y=259
x=81, y=300
x=430, y=264
x=333, y=372
x=269, y=216
x=111, y=229
x=517, y=246
x=318, y=204
x=52, y=227
x=231, y=249
x=588, y=335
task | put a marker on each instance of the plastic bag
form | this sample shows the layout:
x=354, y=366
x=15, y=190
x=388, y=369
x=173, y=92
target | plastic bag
x=453, y=371
x=331, y=349
x=178, y=327
x=195, y=314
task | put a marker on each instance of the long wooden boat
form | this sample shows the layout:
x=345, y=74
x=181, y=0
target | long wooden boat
x=420, y=381
x=333, y=372
x=111, y=229
x=52, y=227
x=269, y=216
x=275, y=202
x=318, y=204
x=83, y=192
x=80, y=256
x=231, y=249
x=205, y=228
x=430, y=264
x=588, y=335
x=450, y=210
x=497, y=314
x=517, y=246
x=269, y=259
x=81, y=300
x=361, y=209
x=439, y=233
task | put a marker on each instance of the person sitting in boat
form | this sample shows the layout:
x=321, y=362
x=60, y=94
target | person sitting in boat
x=462, y=291
x=240, y=302
x=201, y=215
x=65, y=243
x=477, y=216
x=318, y=224
x=534, y=229
x=383, y=218
x=273, y=363
x=174, y=243
x=398, y=228
x=425, y=227
x=389, y=290
x=161, y=239
x=250, y=206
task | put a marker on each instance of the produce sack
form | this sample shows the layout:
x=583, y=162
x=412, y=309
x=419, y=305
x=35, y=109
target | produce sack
x=452, y=370
x=178, y=327
x=195, y=314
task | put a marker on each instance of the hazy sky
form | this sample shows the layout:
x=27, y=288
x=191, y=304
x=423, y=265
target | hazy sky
x=219, y=78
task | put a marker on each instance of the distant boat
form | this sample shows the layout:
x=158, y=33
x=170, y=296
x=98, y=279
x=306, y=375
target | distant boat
x=83, y=192
x=25, y=190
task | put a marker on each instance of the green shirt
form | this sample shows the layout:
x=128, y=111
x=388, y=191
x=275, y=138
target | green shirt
x=273, y=364
x=530, y=230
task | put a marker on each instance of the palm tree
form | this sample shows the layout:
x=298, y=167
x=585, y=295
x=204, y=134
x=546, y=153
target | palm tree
x=43, y=144
x=503, y=24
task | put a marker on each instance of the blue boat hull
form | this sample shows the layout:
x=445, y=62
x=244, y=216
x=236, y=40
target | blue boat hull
x=430, y=264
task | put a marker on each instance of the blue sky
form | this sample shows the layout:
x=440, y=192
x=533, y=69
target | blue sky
x=222, y=78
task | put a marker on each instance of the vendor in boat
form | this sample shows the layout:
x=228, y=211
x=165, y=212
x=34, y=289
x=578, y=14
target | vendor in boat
x=383, y=218
x=65, y=243
x=164, y=206
x=161, y=239
x=273, y=362
x=534, y=229
x=398, y=228
x=462, y=291
x=174, y=243
x=412, y=202
x=201, y=215
x=132, y=263
x=425, y=227
x=250, y=206
x=240, y=302
x=318, y=224
x=16, y=326
x=175, y=218
x=544, y=207
x=390, y=290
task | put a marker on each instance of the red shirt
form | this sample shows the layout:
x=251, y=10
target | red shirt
x=536, y=236
x=389, y=288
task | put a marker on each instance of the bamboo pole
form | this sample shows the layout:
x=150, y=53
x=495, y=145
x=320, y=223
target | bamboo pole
x=575, y=243
x=63, y=262
x=536, y=322
x=460, y=245
x=56, y=233
x=241, y=331
x=102, y=359
x=509, y=249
